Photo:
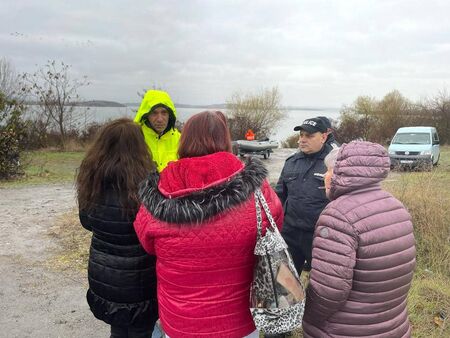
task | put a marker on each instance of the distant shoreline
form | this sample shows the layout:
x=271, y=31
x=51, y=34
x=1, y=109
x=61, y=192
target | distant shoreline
x=104, y=103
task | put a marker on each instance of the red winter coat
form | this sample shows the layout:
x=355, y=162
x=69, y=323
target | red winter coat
x=200, y=222
x=363, y=253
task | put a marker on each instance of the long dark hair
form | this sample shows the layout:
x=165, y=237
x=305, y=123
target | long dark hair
x=118, y=159
x=205, y=133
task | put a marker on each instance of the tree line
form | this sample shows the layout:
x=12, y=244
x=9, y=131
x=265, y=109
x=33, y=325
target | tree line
x=377, y=120
x=371, y=119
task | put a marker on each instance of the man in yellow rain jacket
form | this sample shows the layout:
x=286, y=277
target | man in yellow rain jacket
x=157, y=116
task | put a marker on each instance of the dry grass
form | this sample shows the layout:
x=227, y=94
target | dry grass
x=74, y=242
x=427, y=197
x=74, y=146
x=429, y=305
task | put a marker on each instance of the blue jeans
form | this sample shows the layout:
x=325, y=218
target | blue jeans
x=157, y=332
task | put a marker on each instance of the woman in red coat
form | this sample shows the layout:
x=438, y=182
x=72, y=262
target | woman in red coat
x=198, y=217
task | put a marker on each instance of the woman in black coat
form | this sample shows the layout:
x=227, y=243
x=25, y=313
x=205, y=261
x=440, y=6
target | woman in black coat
x=122, y=281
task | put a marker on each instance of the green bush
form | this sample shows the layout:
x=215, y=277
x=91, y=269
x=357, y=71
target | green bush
x=12, y=134
x=9, y=154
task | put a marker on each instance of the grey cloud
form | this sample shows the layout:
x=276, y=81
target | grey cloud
x=318, y=52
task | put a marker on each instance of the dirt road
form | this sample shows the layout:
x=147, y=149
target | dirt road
x=35, y=300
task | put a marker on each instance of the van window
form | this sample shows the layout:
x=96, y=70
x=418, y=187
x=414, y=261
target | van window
x=435, y=137
x=412, y=138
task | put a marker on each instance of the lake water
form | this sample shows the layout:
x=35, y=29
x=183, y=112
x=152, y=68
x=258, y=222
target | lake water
x=284, y=130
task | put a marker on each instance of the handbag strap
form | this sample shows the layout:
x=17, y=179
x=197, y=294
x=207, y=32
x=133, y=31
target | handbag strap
x=260, y=200
x=258, y=215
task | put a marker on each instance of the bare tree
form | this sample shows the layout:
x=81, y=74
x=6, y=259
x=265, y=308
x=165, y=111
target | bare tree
x=378, y=120
x=141, y=93
x=394, y=111
x=9, y=80
x=436, y=112
x=261, y=112
x=375, y=120
x=55, y=93
x=358, y=120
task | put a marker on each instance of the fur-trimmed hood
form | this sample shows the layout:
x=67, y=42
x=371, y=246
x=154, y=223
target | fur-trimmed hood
x=221, y=191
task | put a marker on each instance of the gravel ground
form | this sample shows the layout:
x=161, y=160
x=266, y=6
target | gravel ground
x=37, y=301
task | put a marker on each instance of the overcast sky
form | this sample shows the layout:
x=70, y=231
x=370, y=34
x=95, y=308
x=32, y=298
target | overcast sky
x=319, y=53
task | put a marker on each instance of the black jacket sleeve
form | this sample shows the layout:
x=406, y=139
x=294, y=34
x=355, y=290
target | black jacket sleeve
x=281, y=188
x=84, y=220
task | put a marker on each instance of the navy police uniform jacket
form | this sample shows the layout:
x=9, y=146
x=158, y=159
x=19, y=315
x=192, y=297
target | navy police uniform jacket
x=301, y=190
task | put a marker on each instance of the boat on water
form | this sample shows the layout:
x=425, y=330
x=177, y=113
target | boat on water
x=256, y=147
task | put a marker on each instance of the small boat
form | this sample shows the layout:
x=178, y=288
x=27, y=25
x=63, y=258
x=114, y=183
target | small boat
x=256, y=147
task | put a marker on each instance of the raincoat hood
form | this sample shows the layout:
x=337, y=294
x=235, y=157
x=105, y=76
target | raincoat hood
x=164, y=146
x=153, y=99
x=358, y=165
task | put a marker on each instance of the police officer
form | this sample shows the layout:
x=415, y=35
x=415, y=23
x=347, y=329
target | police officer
x=301, y=189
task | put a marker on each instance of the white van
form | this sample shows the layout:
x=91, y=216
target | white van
x=413, y=146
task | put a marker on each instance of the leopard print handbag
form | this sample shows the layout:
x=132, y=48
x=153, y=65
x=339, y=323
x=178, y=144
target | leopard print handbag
x=277, y=297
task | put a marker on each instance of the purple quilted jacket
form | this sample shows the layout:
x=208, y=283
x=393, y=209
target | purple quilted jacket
x=363, y=253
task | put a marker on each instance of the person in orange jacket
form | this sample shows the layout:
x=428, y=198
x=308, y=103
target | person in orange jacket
x=250, y=135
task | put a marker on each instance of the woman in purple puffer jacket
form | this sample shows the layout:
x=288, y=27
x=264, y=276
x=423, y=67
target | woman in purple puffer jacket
x=363, y=251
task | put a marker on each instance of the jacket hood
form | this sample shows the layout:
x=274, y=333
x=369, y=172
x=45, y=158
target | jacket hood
x=153, y=98
x=189, y=175
x=358, y=165
x=192, y=190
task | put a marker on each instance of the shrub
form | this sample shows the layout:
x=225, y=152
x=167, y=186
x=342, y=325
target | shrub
x=377, y=120
x=291, y=142
x=12, y=132
x=9, y=154
x=36, y=135
x=55, y=91
x=260, y=112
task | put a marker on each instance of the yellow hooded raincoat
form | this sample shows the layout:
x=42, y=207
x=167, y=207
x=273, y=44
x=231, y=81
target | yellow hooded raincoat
x=163, y=148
